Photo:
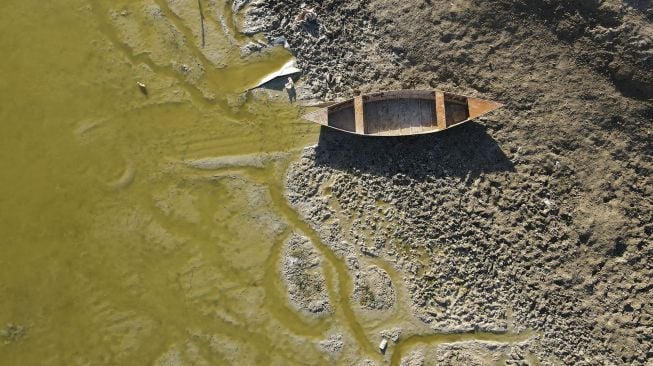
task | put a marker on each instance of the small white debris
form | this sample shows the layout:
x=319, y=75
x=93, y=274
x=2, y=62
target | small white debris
x=142, y=87
x=185, y=68
x=383, y=345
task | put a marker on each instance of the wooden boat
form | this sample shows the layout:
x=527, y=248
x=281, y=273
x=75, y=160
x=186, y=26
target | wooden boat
x=401, y=112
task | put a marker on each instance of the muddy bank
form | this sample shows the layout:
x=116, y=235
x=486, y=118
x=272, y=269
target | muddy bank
x=536, y=217
x=304, y=277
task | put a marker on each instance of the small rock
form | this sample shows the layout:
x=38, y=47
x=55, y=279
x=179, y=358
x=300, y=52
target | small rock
x=383, y=345
x=142, y=87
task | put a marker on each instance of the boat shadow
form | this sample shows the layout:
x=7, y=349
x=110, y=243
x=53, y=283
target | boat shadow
x=464, y=151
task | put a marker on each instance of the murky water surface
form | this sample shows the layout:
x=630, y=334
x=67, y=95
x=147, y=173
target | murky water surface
x=114, y=249
x=146, y=228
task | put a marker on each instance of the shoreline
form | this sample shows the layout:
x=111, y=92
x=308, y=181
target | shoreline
x=511, y=223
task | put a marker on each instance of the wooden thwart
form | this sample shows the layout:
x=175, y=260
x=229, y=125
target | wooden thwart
x=359, y=115
x=440, y=113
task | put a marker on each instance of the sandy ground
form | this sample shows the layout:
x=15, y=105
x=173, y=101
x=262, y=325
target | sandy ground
x=537, y=217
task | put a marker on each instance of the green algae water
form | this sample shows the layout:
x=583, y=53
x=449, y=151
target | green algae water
x=145, y=226
x=113, y=249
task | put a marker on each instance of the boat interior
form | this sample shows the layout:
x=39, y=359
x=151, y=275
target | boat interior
x=399, y=112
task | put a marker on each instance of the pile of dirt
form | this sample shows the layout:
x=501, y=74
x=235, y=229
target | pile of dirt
x=538, y=216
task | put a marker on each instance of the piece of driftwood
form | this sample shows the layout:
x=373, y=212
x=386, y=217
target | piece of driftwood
x=289, y=68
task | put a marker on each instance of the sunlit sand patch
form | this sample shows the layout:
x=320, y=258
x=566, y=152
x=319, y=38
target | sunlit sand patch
x=465, y=353
x=474, y=340
x=155, y=233
x=125, y=179
x=250, y=160
x=180, y=355
x=86, y=130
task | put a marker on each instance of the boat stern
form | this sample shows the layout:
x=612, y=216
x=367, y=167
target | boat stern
x=478, y=107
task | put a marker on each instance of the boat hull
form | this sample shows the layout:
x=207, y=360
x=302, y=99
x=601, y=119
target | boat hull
x=401, y=112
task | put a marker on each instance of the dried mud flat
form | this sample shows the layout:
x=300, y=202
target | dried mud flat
x=304, y=277
x=537, y=217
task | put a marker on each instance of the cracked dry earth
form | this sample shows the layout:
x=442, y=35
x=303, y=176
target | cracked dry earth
x=537, y=217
